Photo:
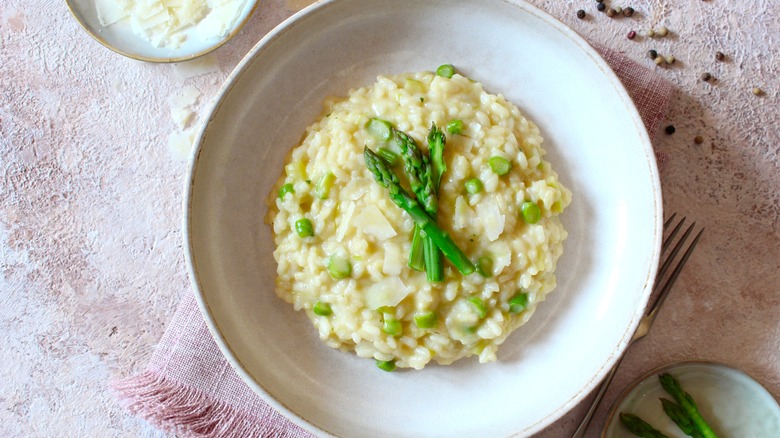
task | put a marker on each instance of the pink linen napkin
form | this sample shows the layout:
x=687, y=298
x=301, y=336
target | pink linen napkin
x=190, y=389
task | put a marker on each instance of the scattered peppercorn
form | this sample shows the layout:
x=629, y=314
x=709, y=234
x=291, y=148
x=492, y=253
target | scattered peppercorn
x=631, y=35
x=719, y=56
x=599, y=1
x=652, y=54
x=670, y=130
x=580, y=14
x=706, y=77
x=670, y=59
x=698, y=139
x=629, y=11
x=659, y=60
x=650, y=32
x=611, y=12
x=663, y=31
x=601, y=7
x=757, y=91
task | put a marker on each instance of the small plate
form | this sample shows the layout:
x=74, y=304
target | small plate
x=731, y=401
x=120, y=37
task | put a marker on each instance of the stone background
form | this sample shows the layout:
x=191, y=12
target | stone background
x=91, y=176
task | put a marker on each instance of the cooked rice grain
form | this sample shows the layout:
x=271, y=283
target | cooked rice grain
x=487, y=223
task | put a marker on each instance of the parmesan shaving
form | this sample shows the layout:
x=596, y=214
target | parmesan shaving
x=373, y=222
x=181, y=105
x=180, y=143
x=491, y=218
x=166, y=23
x=387, y=292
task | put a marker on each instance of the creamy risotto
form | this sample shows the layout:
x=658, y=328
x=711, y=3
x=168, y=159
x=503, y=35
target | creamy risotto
x=343, y=246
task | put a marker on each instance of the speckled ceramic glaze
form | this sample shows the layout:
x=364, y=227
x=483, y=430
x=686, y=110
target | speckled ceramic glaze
x=595, y=140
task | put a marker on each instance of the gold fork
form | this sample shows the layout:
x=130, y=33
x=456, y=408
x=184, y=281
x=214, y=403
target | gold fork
x=647, y=321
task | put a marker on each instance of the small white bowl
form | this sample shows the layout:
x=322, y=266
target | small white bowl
x=120, y=37
x=595, y=140
x=732, y=402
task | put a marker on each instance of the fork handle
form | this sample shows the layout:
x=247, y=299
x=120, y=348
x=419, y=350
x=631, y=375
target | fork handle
x=580, y=432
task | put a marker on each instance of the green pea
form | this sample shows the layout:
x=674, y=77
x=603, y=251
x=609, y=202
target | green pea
x=386, y=365
x=392, y=327
x=339, y=267
x=500, y=165
x=322, y=308
x=426, y=320
x=323, y=186
x=304, y=228
x=479, y=306
x=531, y=212
x=287, y=188
x=485, y=266
x=381, y=129
x=389, y=156
x=473, y=186
x=455, y=126
x=445, y=70
x=518, y=303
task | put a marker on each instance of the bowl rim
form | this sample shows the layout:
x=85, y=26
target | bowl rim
x=74, y=11
x=285, y=26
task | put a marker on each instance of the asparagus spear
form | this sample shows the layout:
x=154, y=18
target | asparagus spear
x=421, y=179
x=387, y=179
x=436, y=141
x=672, y=386
x=639, y=427
x=417, y=255
x=418, y=168
x=680, y=418
x=411, y=162
x=432, y=256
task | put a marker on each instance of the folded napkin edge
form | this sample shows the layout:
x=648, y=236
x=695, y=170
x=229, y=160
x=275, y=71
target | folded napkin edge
x=180, y=409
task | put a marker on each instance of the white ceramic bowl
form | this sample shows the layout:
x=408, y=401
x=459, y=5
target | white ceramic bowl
x=120, y=37
x=595, y=140
x=731, y=402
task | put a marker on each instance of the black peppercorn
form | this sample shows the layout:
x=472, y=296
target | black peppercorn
x=706, y=77
x=670, y=130
x=629, y=11
x=698, y=139
x=720, y=56
x=580, y=14
x=652, y=54
x=601, y=7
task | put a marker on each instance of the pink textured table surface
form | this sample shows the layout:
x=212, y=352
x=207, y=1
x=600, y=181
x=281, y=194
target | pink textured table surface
x=92, y=163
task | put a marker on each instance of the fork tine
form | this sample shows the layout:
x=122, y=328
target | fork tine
x=676, y=272
x=674, y=232
x=669, y=221
x=670, y=258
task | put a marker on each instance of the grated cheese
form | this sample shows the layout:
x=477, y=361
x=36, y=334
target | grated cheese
x=165, y=23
